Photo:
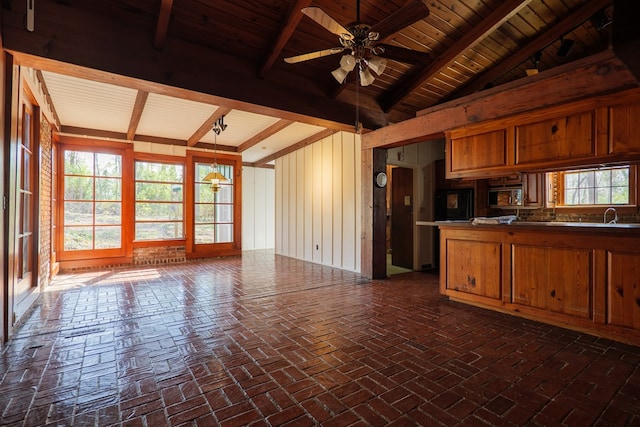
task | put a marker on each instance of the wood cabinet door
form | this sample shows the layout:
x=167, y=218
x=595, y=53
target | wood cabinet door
x=532, y=186
x=485, y=150
x=564, y=138
x=474, y=267
x=624, y=129
x=623, y=289
x=553, y=279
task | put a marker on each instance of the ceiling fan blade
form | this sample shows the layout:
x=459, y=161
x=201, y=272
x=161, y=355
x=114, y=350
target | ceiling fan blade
x=404, y=55
x=321, y=17
x=405, y=16
x=313, y=55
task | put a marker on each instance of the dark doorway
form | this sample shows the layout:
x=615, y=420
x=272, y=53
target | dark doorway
x=402, y=217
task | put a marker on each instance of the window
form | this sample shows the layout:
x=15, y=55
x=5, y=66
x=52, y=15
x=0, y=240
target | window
x=213, y=210
x=159, y=190
x=597, y=186
x=92, y=200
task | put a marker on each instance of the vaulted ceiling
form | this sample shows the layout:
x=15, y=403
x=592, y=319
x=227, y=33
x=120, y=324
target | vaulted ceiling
x=230, y=54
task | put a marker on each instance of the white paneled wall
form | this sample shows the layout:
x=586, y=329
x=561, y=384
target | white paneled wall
x=318, y=200
x=258, y=208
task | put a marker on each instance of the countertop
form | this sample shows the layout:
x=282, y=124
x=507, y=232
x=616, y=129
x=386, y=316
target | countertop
x=548, y=225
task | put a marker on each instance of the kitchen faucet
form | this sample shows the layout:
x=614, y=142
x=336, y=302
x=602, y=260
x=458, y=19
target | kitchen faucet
x=615, y=218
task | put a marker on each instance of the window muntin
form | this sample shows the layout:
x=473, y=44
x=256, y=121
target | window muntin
x=159, y=200
x=213, y=211
x=92, y=200
x=597, y=186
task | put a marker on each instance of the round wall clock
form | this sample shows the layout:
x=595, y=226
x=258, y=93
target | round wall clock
x=381, y=179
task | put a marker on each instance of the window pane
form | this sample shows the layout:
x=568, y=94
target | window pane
x=204, y=233
x=158, y=192
x=603, y=196
x=78, y=213
x=204, y=213
x=571, y=180
x=78, y=163
x=586, y=196
x=147, y=171
x=159, y=230
x=78, y=238
x=108, y=213
x=224, y=213
x=108, y=165
x=158, y=211
x=603, y=178
x=78, y=188
x=108, y=189
x=586, y=179
x=225, y=194
x=620, y=195
x=108, y=237
x=224, y=233
x=204, y=194
x=620, y=177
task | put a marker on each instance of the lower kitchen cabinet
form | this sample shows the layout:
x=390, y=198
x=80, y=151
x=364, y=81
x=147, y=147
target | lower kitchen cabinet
x=583, y=277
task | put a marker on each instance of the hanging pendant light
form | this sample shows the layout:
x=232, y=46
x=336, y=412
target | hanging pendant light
x=215, y=177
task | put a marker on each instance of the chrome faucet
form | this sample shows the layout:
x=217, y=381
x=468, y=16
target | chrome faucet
x=615, y=218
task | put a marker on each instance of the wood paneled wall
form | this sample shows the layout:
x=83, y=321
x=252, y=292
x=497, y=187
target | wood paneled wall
x=318, y=202
x=258, y=208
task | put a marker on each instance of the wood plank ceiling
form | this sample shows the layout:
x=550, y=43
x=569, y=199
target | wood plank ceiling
x=232, y=52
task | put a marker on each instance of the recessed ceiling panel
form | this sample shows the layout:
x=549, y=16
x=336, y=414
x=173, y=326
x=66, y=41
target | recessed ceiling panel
x=290, y=135
x=173, y=118
x=88, y=104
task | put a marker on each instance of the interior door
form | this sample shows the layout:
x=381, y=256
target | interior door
x=24, y=256
x=402, y=217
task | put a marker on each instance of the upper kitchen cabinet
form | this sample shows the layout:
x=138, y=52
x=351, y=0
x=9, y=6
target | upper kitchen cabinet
x=550, y=141
x=478, y=151
x=603, y=130
x=624, y=129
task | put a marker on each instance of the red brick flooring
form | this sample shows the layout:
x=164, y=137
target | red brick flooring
x=266, y=340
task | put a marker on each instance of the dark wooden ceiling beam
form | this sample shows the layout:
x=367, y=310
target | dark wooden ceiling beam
x=475, y=35
x=562, y=27
x=72, y=35
x=136, y=114
x=262, y=135
x=207, y=125
x=295, y=147
x=596, y=75
x=163, y=24
x=285, y=33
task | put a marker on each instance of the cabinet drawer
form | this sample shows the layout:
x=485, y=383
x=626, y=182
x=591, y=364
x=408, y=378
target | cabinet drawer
x=564, y=138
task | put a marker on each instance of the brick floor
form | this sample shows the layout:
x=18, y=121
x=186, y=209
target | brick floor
x=266, y=340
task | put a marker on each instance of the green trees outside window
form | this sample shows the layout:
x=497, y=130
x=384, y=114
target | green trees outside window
x=92, y=199
x=599, y=186
x=213, y=210
x=159, y=192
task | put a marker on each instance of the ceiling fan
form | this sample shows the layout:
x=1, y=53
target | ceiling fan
x=362, y=43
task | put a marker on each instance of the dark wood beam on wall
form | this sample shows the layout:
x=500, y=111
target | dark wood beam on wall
x=290, y=23
x=75, y=36
x=475, y=35
x=562, y=27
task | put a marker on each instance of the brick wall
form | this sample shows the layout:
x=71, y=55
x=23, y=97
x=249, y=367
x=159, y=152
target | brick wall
x=159, y=255
x=45, y=202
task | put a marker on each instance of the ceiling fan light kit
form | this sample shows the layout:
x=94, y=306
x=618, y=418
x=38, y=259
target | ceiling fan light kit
x=361, y=40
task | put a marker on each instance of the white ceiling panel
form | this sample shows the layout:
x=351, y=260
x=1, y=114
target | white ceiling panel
x=88, y=104
x=173, y=118
x=290, y=135
x=241, y=126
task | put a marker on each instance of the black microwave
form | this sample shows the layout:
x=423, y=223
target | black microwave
x=505, y=197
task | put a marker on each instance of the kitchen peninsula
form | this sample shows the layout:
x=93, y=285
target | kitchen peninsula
x=581, y=276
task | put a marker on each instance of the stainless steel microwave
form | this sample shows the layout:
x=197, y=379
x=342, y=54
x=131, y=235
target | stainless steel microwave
x=505, y=197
